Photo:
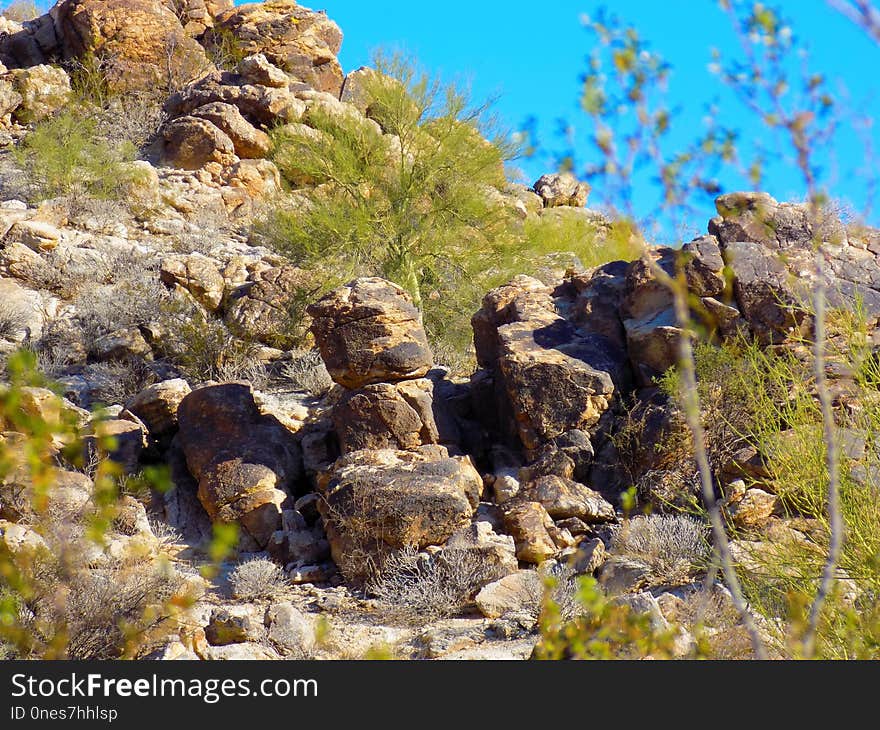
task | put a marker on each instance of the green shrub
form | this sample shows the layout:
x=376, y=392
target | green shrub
x=67, y=155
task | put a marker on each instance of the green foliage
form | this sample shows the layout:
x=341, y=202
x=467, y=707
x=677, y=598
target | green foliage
x=602, y=629
x=56, y=601
x=416, y=192
x=67, y=155
x=767, y=398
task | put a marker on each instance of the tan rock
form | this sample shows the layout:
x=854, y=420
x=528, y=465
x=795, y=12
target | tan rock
x=36, y=235
x=530, y=526
x=301, y=42
x=383, y=499
x=143, y=42
x=247, y=141
x=157, y=406
x=192, y=143
x=197, y=274
x=520, y=592
x=261, y=309
x=562, y=189
x=245, y=462
x=44, y=90
x=369, y=332
x=566, y=498
x=387, y=416
x=257, y=70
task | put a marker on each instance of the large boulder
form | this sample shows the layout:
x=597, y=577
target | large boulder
x=141, y=43
x=191, y=143
x=387, y=416
x=263, y=309
x=558, y=189
x=246, y=463
x=301, y=42
x=369, y=331
x=554, y=377
x=564, y=498
x=156, y=406
x=197, y=274
x=262, y=106
x=43, y=89
x=377, y=500
x=247, y=141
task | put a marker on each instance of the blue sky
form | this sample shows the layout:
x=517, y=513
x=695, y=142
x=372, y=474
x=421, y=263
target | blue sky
x=531, y=55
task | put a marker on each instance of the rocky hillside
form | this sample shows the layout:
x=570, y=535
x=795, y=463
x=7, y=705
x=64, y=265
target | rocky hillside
x=382, y=502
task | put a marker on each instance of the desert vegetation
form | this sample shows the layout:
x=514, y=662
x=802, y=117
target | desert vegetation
x=295, y=364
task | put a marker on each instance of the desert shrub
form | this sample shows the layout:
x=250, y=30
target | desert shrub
x=166, y=534
x=203, y=347
x=67, y=155
x=107, y=612
x=601, y=629
x=414, y=587
x=113, y=383
x=224, y=48
x=258, y=578
x=12, y=320
x=418, y=204
x=673, y=547
x=305, y=371
x=60, y=597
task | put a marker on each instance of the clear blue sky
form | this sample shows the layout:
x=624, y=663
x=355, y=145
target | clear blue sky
x=531, y=54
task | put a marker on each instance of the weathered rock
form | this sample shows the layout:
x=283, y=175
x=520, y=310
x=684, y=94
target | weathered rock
x=387, y=416
x=290, y=630
x=191, y=143
x=21, y=539
x=379, y=499
x=749, y=508
x=261, y=105
x=257, y=70
x=197, y=16
x=247, y=141
x=124, y=344
x=44, y=90
x=369, y=332
x=260, y=179
x=128, y=439
x=531, y=528
x=234, y=625
x=299, y=545
x=36, y=235
x=142, y=42
x=565, y=498
x=589, y=556
x=9, y=99
x=520, y=592
x=157, y=406
x=622, y=575
x=24, y=313
x=245, y=462
x=562, y=189
x=264, y=308
x=300, y=41
x=197, y=274
x=495, y=553
x=555, y=378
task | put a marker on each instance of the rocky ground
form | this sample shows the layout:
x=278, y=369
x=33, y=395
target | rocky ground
x=332, y=462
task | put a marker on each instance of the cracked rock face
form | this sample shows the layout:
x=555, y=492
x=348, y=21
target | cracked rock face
x=374, y=501
x=368, y=332
x=246, y=463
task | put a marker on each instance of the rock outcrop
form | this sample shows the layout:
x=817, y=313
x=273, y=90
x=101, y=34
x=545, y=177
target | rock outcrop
x=246, y=463
x=369, y=332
